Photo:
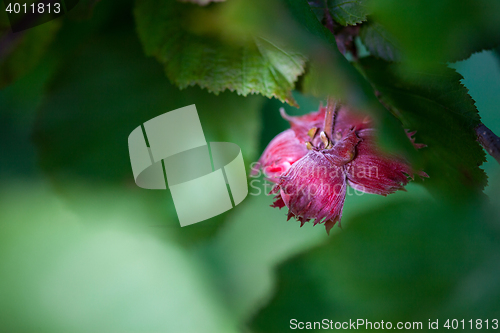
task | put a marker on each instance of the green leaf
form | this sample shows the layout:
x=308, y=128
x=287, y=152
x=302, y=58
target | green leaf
x=256, y=238
x=21, y=52
x=212, y=62
x=441, y=31
x=436, y=105
x=18, y=102
x=379, y=42
x=82, y=126
x=84, y=9
x=409, y=259
x=348, y=12
x=344, y=12
x=106, y=270
x=318, y=8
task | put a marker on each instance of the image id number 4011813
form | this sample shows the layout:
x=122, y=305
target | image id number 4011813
x=472, y=324
x=33, y=8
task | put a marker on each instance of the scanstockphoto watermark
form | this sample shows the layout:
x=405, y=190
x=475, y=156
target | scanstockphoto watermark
x=325, y=180
x=327, y=324
x=430, y=324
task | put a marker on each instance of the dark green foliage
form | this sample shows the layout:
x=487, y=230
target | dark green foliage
x=344, y=12
x=402, y=262
x=348, y=12
x=21, y=52
x=379, y=42
x=444, y=30
x=83, y=249
x=438, y=106
x=194, y=58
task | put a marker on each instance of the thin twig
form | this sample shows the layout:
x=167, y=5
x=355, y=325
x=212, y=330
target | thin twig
x=489, y=141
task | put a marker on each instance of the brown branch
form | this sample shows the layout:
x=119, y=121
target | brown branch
x=489, y=141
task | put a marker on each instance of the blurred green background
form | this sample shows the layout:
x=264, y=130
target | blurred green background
x=83, y=249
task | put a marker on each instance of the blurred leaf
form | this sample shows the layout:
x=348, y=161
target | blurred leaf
x=445, y=30
x=95, y=102
x=245, y=252
x=257, y=238
x=201, y=2
x=379, y=42
x=83, y=10
x=439, y=108
x=331, y=74
x=20, y=100
x=190, y=58
x=318, y=8
x=18, y=103
x=82, y=129
x=344, y=12
x=407, y=260
x=61, y=272
x=21, y=52
x=348, y=12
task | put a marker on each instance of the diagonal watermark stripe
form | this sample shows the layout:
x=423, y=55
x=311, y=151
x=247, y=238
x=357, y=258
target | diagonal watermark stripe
x=196, y=172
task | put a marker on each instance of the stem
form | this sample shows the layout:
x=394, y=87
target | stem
x=489, y=141
x=332, y=109
x=329, y=22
